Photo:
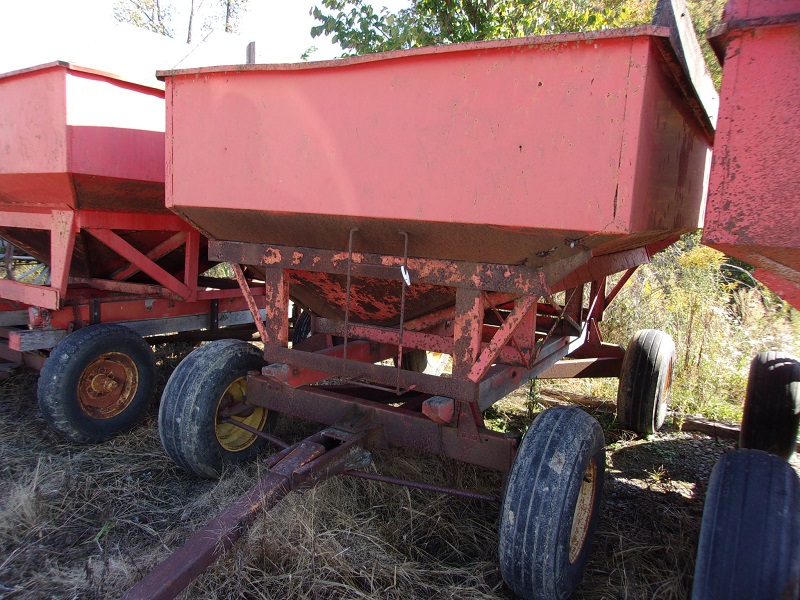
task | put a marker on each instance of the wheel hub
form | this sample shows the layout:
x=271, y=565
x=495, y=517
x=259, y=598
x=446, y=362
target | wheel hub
x=232, y=406
x=107, y=385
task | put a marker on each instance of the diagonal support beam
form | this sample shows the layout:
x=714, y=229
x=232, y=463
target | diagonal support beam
x=502, y=337
x=132, y=255
x=251, y=303
x=160, y=251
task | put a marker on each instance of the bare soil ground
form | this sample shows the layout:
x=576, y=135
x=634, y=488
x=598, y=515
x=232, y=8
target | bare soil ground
x=89, y=521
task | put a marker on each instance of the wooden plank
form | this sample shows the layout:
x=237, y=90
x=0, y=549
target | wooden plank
x=35, y=339
x=34, y=295
x=9, y=318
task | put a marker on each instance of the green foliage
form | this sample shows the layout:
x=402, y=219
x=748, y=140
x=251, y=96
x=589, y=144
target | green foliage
x=707, y=14
x=220, y=271
x=717, y=329
x=359, y=29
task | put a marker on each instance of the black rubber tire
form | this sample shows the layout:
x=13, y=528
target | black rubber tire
x=645, y=381
x=187, y=417
x=59, y=381
x=772, y=404
x=561, y=460
x=415, y=361
x=750, y=537
x=302, y=327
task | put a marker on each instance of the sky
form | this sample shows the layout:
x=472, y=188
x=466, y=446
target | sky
x=38, y=31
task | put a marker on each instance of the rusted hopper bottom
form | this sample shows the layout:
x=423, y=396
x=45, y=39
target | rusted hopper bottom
x=333, y=451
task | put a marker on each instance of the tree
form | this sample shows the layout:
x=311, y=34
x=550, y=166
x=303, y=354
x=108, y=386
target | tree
x=156, y=15
x=359, y=29
x=230, y=13
x=191, y=22
x=233, y=10
x=147, y=14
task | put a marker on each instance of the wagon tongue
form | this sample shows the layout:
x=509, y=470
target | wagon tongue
x=296, y=468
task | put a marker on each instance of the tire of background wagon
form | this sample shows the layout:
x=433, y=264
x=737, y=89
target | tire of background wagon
x=551, y=504
x=190, y=421
x=415, y=360
x=750, y=536
x=302, y=327
x=97, y=382
x=645, y=381
x=772, y=404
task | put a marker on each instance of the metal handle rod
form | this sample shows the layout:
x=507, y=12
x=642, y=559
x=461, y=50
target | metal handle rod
x=403, y=285
x=347, y=299
x=428, y=487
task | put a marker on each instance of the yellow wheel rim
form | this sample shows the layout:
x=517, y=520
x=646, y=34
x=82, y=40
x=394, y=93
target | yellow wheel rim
x=232, y=437
x=584, y=508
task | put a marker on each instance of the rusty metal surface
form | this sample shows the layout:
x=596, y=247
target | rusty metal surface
x=753, y=201
x=107, y=385
x=298, y=467
x=174, y=574
x=400, y=427
x=503, y=337
x=642, y=151
x=170, y=577
x=322, y=364
x=318, y=279
x=519, y=279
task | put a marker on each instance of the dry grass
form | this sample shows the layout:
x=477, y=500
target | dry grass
x=88, y=522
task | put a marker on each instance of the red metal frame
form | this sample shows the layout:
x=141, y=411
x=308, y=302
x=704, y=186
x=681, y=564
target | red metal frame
x=71, y=302
x=503, y=329
x=65, y=225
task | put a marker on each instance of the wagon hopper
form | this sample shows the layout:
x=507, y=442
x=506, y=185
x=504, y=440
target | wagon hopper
x=468, y=200
x=90, y=245
x=753, y=215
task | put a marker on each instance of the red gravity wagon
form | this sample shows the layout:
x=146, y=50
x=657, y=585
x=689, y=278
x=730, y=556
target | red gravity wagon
x=468, y=200
x=106, y=264
x=750, y=538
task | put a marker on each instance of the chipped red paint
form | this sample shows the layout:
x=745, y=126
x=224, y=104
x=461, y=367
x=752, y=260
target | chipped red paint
x=251, y=303
x=468, y=331
x=480, y=199
x=503, y=336
x=360, y=351
x=400, y=428
x=486, y=276
x=753, y=200
x=439, y=409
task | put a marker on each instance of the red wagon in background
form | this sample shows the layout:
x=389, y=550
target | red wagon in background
x=82, y=196
x=750, y=539
x=469, y=200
